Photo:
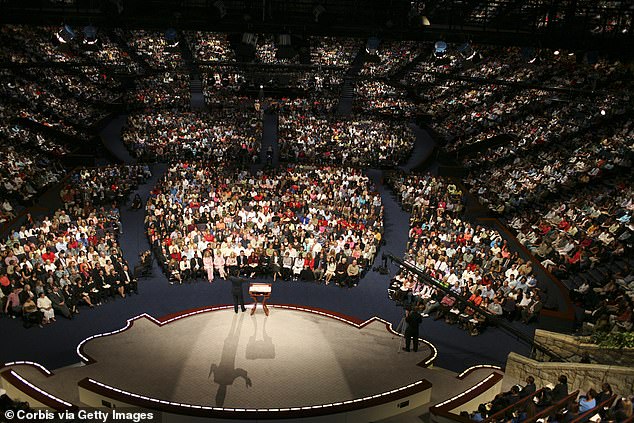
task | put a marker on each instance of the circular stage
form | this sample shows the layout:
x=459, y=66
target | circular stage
x=211, y=362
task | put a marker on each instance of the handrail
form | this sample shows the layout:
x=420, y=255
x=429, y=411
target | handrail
x=494, y=417
x=489, y=317
x=552, y=409
x=567, y=314
x=591, y=412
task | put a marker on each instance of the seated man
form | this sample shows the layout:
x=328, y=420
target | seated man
x=533, y=309
x=59, y=303
x=130, y=283
x=353, y=273
x=341, y=272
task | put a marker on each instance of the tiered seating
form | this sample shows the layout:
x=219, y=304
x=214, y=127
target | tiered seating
x=153, y=48
x=103, y=185
x=385, y=99
x=81, y=261
x=359, y=142
x=224, y=135
x=469, y=260
x=333, y=51
x=265, y=52
x=210, y=47
x=28, y=44
x=40, y=103
x=169, y=89
x=297, y=223
x=392, y=56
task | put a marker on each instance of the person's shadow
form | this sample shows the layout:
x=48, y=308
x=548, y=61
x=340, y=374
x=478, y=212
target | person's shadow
x=260, y=348
x=225, y=372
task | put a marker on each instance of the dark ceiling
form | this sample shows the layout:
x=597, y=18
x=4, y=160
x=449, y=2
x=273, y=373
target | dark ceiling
x=574, y=24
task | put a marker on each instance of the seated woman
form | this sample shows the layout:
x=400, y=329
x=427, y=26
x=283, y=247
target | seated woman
x=219, y=264
x=83, y=294
x=330, y=270
x=265, y=260
x=309, y=264
x=45, y=305
x=253, y=264
x=298, y=266
x=71, y=297
x=588, y=401
x=31, y=314
x=276, y=266
x=208, y=264
x=174, y=272
x=114, y=280
x=232, y=264
x=287, y=265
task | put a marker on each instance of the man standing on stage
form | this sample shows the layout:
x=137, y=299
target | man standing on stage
x=413, y=320
x=236, y=292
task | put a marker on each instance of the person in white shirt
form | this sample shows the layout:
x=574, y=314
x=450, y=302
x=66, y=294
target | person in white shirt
x=45, y=305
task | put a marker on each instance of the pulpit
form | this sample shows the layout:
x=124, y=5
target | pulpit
x=260, y=290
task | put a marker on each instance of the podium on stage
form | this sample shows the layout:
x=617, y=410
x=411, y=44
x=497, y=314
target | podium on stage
x=262, y=290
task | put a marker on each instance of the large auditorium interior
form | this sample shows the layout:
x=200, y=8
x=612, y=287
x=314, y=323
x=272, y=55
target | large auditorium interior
x=337, y=211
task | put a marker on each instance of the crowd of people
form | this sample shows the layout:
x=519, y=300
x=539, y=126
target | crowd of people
x=554, y=402
x=222, y=85
x=585, y=239
x=169, y=89
x=309, y=136
x=24, y=174
x=50, y=266
x=33, y=44
x=23, y=44
x=556, y=177
x=308, y=223
x=583, y=228
x=210, y=47
x=266, y=51
x=520, y=180
x=87, y=83
x=561, y=180
x=103, y=185
x=385, y=99
x=29, y=163
x=232, y=134
x=471, y=261
x=38, y=102
x=500, y=93
x=153, y=48
x=334, y=51
x=392, y=56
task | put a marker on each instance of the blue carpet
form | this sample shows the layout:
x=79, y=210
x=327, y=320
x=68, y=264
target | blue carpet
x=424, y=146
x=197, y=101
x=269, y=139
x=111, y=139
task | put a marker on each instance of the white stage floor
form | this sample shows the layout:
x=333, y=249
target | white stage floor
x=221, y=359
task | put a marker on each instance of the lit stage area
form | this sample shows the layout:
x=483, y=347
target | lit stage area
x=298, y=363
